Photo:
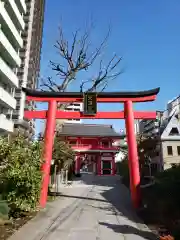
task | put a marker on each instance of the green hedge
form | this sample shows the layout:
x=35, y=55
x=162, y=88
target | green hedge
x=20, y=173
x=163, y=198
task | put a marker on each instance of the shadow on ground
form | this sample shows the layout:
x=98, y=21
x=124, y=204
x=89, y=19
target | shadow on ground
x=119, y=197
x=126, y=229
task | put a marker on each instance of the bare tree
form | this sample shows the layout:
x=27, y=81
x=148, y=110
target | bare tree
x=75, y=57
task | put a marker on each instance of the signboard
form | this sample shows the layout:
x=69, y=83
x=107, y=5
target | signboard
x=90, y=103
x=106, y=158
x=106, y=154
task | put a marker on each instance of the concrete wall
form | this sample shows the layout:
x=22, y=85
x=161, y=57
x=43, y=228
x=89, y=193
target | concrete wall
x=170, y=159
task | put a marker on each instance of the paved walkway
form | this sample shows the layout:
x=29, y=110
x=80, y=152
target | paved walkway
x=98, y=208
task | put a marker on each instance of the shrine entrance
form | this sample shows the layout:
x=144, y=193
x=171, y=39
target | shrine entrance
x=90, y=111
x=89, y=163
x=97, y=163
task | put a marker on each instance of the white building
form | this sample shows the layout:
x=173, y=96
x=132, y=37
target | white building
x=136, y=126
x=150, y=127
x=166, y=128
x=11, y=26
x=74, y=107
x=28, y=72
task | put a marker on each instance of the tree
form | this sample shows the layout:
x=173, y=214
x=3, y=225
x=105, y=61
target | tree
x=63, y=155
x=76, y=57
x=63, y=159
x=20, y=173
x=147, y=149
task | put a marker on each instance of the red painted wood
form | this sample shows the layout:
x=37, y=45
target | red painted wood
x=87, y=147
x=77, y=164
x=99, y=165
x=100, y=100
x=113, y=164
x=93, y=143
x=132, y=155
x=77, y=115
x=48, y=147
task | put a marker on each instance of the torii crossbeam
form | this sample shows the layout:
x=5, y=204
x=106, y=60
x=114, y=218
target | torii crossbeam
x=128, y=98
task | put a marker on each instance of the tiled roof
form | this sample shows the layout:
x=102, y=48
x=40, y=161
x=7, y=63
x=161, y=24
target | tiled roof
x=95, y=130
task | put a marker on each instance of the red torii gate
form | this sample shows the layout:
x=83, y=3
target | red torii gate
x=128, y=98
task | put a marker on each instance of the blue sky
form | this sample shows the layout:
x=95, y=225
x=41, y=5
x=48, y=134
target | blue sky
x=145, y=33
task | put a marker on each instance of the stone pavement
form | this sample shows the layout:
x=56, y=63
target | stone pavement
x=97, y=208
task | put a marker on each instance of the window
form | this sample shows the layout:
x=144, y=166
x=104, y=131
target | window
x=178, y=150
x=173, y=165
x=105, y=144
x=169, y=150
x=174, y=132
x=72, y=142
x=20, y=74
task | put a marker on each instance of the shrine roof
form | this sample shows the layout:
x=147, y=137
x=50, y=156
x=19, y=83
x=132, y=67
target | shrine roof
x=92, y=130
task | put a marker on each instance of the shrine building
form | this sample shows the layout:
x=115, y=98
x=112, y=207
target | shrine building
x=93, y=145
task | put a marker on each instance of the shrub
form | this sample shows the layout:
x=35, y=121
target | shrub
x=4, y=210
x=20, y=173
x=162, y=199
x=123, y=169
x=63, y=155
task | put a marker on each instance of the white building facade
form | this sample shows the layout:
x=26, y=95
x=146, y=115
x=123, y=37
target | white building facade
x=28, y=71
x=166, y=128
x=11, y=27
x=150, y=127
x=74, y=107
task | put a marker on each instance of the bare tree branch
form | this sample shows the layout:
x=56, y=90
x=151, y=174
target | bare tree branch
x=105, y=74
x=76, y=58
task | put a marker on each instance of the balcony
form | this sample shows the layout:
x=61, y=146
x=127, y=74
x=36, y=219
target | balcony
x=8, y=27
x=18, y=95
x=6, y=99
x=7, y=51
x=5, y=124
x=15, y=14
x=91, y=148
x=7, y=75
x=21, y=5
x=21, y=122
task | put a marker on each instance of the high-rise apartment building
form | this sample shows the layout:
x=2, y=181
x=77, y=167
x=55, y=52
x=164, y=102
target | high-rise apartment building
x=28, y=71
x=21, y=24
x=12, y=26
